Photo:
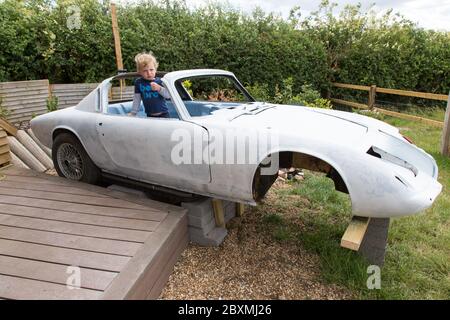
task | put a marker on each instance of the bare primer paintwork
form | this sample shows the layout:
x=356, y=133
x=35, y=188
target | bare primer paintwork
x=402, y=182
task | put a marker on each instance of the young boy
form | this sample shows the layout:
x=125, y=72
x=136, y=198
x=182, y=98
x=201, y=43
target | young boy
x=148, y=88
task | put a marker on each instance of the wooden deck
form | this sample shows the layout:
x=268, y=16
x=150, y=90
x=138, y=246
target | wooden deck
x=124, y=246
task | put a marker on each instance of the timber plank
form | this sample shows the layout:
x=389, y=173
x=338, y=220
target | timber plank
x=71, y=257
x=137, y=278
x=74, y=228
x=72, y=198
x=4, y=149
x=19, y=288
x=84, y=208
x=69, y=241
x=354, y=234
x=3, y=140
x=56, y=273
x=48, y=188
x=161, y=281
x=5, y=158
x=8, y=127
x=82, y=218
x=350, y=86
x=150, y=205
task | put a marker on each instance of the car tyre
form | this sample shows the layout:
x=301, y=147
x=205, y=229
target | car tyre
x=72, y=161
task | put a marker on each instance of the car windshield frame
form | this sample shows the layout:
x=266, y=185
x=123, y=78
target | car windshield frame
x=185, y=96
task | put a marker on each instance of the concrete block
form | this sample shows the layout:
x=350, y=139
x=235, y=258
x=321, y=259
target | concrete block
x=214, y=238
x=200, y=221
x=198, y=208
x=373, y=245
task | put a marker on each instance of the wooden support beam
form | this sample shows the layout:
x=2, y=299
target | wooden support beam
x=117, y=46
x=218, y=212
x=406, y=93
x=239, y=209
x=350, y=86
x=445, y=145
x=8, y=127
x=372, y=93
x=355, y=232
x=415, y=94
x=350, y=104
x=410, y=117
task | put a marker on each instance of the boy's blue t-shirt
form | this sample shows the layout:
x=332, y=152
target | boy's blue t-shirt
x=153, y=101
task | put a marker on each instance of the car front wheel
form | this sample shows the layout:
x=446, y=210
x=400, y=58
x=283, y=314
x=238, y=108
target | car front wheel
x=71, y=160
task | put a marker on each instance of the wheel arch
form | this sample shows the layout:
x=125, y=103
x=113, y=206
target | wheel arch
x=65, y=129
x=304, y=160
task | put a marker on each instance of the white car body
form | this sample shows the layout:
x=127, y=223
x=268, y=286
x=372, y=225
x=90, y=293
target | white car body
x=395, y=178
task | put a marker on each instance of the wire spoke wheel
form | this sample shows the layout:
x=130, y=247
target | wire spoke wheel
x=70, y=161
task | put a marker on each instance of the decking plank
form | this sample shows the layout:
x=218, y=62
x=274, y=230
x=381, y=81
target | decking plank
x=154, y=205
x=47, y=187
x=18, y=288
x=71, y=198
x=167, y=270
x=156, y=268
x=74, y=228
x=56, y=273
x=84, y=208
x=139, y=276
x=64, y=256
x=103, y=221
x=32, y=179
x=123, y=248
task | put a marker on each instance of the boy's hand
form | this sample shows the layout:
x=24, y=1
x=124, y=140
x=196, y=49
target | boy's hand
x=155, y=86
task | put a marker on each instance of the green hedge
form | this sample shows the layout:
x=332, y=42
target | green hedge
x=36, y=43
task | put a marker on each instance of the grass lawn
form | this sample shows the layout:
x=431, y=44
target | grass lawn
x=311, y=214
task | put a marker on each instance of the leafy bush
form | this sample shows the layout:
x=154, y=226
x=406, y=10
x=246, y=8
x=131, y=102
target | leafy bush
x=52, y=103
x=3, y=111
x=307, y=96
x=355, y=47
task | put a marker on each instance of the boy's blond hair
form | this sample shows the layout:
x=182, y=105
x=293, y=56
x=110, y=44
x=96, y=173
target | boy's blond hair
x=144, y=59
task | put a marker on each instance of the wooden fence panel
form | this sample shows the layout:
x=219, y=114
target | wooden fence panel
x=70, y=94
x=445, y=145
x=24, y=99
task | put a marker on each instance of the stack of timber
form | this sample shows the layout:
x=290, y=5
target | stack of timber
x=5, y=155
x=23, y=148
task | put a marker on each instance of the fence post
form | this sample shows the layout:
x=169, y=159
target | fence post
x=446, y=132
x=372, y=92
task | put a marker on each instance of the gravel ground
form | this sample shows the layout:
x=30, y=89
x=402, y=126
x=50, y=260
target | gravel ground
x=249, y=265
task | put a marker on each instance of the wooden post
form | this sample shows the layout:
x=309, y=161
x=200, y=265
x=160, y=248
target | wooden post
x=372, y=92
x=445, y=148
x=355, y=232
x=5, y=156
x=239, y=209
x=118, y=48
x=218, y=212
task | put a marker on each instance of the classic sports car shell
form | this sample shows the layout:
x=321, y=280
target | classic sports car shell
x=384, y=174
